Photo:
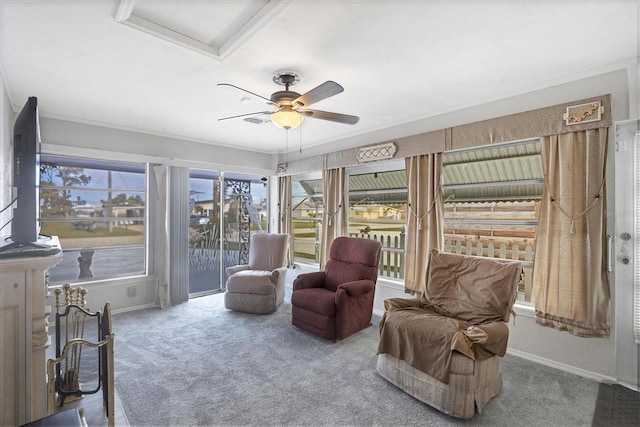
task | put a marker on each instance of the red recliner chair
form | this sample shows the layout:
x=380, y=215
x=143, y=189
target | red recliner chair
x=338, y=302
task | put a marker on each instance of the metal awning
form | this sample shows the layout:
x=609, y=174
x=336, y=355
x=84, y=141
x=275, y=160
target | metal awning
x=505, y=172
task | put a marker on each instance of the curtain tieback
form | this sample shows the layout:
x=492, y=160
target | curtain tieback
x=572, y=227
x=330, y=216
x=431, y=206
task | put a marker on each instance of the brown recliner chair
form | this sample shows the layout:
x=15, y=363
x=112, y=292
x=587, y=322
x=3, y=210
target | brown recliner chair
x=338, y=302
x=258, y=287
x=445, y=348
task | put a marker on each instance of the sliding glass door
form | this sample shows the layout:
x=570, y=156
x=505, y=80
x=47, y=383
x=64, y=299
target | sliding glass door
x=226, y=208
x=204, y=233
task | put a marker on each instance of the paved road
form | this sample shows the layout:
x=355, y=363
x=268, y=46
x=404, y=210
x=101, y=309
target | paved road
x=105, y=263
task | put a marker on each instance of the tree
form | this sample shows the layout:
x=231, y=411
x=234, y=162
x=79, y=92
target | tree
x=122, y=199
x=56, y=183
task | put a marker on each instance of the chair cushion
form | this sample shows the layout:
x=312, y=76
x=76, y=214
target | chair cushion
x=251, y=282
x=421, y=337
x=468, y=288
x=317, y=300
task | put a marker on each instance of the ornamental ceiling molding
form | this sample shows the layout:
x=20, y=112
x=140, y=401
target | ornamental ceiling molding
x=127, y=15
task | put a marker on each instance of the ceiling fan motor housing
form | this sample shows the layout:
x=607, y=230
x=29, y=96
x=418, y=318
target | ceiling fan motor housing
x=284, y=98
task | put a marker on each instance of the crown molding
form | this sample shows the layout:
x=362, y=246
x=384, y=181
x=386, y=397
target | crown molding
x=126, y=15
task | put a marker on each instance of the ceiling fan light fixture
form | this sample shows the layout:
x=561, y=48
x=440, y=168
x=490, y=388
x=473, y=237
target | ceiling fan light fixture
x=287, y=119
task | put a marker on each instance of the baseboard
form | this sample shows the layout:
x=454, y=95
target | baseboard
x=633, y=387
x=134, y=308
x=563, y=367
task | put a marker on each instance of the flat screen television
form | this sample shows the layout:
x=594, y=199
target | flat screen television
x=26, y=176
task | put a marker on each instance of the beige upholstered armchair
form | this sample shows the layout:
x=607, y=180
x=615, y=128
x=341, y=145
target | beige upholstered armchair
x=445, y=348
x=258, y=287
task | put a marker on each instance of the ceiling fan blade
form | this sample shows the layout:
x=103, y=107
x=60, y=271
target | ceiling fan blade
x=245, y=115
x=334, y=117
x=244, y=90
x=324, y=91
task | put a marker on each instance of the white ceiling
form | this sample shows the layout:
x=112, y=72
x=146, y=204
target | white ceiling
x=153, y=66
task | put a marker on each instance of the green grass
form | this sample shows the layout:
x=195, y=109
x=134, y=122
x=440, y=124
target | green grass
x=64, y=230
x=308, y=224
x=376, y=230
x=304, y=234
x=304, y=255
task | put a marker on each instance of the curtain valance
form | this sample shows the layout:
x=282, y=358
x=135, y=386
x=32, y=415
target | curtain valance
x=514, y=127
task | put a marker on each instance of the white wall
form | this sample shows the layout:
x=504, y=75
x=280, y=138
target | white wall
x=7, y=118
x=72, y=138
x=117, y=293
x=614, y=83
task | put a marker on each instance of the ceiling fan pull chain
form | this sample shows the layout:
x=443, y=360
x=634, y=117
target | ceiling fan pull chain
x=286, y=149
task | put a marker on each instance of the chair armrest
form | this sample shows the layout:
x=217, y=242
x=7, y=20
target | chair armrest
x=358, y=287
x=487, y=340
x=235, y=268
x=279, y=275
x=314, y=279
x=399, y=303
x=488, y=333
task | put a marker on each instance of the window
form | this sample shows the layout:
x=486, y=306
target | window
x=306, y=212
x=378, y=210
x=98, y=210
x=491, y=203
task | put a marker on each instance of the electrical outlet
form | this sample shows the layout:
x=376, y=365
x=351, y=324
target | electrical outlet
x=131, y=291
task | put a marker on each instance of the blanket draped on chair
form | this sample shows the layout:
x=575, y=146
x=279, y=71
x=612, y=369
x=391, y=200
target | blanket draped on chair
x=401, y=337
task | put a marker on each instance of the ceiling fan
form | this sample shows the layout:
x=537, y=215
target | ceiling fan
x=291, y=106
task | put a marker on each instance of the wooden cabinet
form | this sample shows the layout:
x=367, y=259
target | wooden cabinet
x=24, y=337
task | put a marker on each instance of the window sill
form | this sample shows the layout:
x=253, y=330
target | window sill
x=113, y=281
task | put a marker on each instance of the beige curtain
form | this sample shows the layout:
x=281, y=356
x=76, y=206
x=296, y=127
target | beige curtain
x=425, y=218
x=571, y=290
x=284, y=212
x=334, y=215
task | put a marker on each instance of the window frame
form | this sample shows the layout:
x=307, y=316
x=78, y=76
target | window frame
x=389, y=254
x=310, y=176
x=98, y=163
